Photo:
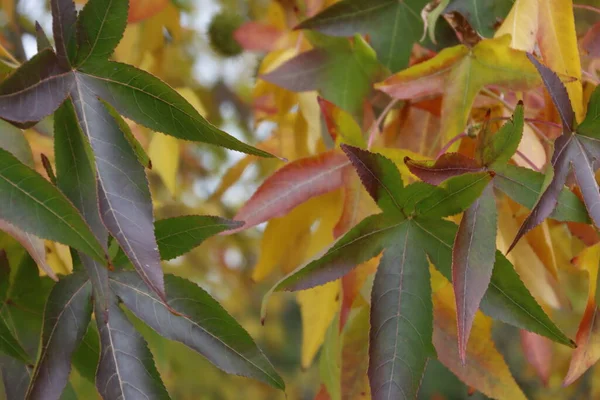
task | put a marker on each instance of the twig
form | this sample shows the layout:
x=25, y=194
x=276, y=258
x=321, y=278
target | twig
x=450, y=143
x=380, y=118
x=528, y=161
x=587, y=7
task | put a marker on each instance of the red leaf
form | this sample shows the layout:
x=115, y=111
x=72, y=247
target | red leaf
x=591, y=41
x=143, y=9
x=291, y=186
x=256, y=36
x=538, y=352
x=447, y=166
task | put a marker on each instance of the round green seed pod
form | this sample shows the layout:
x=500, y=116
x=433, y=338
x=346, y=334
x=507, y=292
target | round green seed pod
x=220, y=33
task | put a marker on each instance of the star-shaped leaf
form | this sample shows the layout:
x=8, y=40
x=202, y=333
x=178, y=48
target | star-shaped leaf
x=459, y=73
x=578, y=148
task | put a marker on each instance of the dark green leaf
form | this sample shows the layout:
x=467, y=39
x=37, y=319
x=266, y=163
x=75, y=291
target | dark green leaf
x=64, y=17
x=33, y=204
x=401, y=319
x=454, y=196
x=524, y=185
x=126, y=369
x=123, y=193
x=379, y=176
x=203, y=325
x=473, y=261
x=66, y=317
x=150, y=102
x=338, y=64
x=176, y=236
x=507, y=299
x=15, y=378
x=4, y=275
x=590, y=126
x=35, y=90
x=10, y=346
x=100, y=27
x=482, y=15
x=77, y=180
x=13, y=141
x=140, y=153
x=393, y=26
x=363, y=242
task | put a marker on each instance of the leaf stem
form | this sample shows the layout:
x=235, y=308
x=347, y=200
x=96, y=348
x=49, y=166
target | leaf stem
x=377, y=123
x=528, y=161
x=450, y=143
x=590, y=76
x=587, y=7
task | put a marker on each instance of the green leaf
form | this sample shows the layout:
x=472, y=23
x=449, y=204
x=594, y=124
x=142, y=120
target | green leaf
x=126, y=368
x=393, y=26
x=590, y=126
x=150, y=102
x=505, y=142
x=140, y=153
x=379, y=176
x=524, y=186
x=100, y=27
x=507, y=299
x=10, y=346
x=483, y=16
x=343, y=73
x=361, y=243
x=35, y=89
x=454, y=196
x=41, y=38
x=203, y=325
x=13, y=140
x=77, y=180
x=401, y=319
x=123, y=193
x=330, y=360
x=176, y=236
x=66, y=317
x=85, y=358
x=33, y=204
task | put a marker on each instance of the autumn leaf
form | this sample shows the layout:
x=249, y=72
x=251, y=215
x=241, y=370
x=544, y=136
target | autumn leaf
x=459, y=73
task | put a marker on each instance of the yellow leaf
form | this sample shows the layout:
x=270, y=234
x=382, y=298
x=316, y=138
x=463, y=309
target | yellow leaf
x=58, y=258
x=309, y=109
x=355, y=356
x=461, y=73
x=318, y=306
x=557, y=40
x=522, y=24
x=164, y=153
x=485, y=368
x=542, y=284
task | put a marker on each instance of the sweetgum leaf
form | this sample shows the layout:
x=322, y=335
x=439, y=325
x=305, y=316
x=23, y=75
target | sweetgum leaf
x=41, y=39
x=444, y=167
x=10, y=346
x=100, y=27
x=203, y=325
x=482, y=15
x=76, y=178
x=473, y=261
x=401, y=319
x=33, y=204
x=35, y=89
x=148, y=101
x=505, y=142
x=64, y=17
x=379, y=176
x=393, y=26
x=66, y=317
x=126, y=368
x=85, y=357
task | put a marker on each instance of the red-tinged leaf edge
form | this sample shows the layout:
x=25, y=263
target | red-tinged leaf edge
x=446, y=166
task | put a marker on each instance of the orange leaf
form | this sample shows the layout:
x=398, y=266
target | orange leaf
x=143, y=9
x=538, y=352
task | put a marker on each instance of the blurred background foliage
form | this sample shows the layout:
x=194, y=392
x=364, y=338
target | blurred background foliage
x=190, y=45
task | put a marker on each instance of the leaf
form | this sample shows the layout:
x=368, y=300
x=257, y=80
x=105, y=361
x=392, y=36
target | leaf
x=354, y=366
x=165, y=151
x=41, y=38
x=148, y=101
x=143, y=9
x=123, y=193
x=9, y=345
x=42, y=82
x=329, y=362
x=33, y=244
x=100, y=27
x=460, y=73
x=292, y=185
x=66, y=317
x=393, y=27
x=507, y=299
x=318, y=307
x=34, y=205
x=176, y=236
x=341, y=125
x=363, y=242
x=482, y=16
x=64, y=17
x=557, y=41
x=401, y=319
x=485, y=368
x=570, y=150
x=327, y=68
x=503, y=145
x=587, y=352
x=444, y=167
x=538, y=352
x=379, y=176
x=126, y=368
x=85, y=357
x=522, y=25
x=76, y=178
x=203, y=325
x=140, y=153
x=473, y=261
x=13, y=140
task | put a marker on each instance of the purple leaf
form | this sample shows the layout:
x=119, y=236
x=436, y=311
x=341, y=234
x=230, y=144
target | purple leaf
x=446, y=166
x=64, y=17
